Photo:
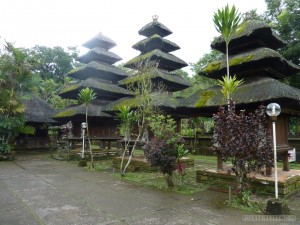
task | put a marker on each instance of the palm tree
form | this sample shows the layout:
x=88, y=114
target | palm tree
x=226, y=22
x=86, y=96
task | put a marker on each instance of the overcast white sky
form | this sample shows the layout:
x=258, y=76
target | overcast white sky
x=72, y=22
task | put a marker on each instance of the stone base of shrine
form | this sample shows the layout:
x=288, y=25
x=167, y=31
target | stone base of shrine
x=288, y=181
x=139, y=163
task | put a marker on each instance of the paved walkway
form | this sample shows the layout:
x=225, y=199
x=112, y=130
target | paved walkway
x=37, y=190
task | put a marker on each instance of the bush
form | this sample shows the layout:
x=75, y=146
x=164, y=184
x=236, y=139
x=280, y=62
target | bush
x=243, y=138
x=164, y=150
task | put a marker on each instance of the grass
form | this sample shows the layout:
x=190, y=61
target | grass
x=183, y=184
x=187, y=184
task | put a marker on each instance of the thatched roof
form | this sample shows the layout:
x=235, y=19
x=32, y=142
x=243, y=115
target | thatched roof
x=77, y=112
x=172, y=82
x=38, y=111
x=166, y=61
x=155, y=42
x=155, y=27
x=253, y=92
x=261, y=61
x=98, y=70
x=103, y=89
x=250, y=34
x=158, y=100
x=100, y=41
x=99, y=54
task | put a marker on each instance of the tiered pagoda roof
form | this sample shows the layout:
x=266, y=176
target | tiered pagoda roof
x=155, y=48
x=99, y=74
x=254, y=59
x=251, y=34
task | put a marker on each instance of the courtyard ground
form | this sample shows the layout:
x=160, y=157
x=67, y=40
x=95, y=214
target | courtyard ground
x=35, y=189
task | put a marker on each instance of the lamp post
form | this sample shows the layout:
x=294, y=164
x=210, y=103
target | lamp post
x=83, y=127
x=273, y=110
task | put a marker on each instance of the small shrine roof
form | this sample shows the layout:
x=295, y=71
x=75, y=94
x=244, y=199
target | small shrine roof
x=155, y=27
x=263, y=61
x=98, y=70
x=103, y=89
x=172, y=82
x=100, y=41
x=99, y=54
x=78, y=111
x=166, y=61
x=250, y=34
x=38, y=111
x=155, y=42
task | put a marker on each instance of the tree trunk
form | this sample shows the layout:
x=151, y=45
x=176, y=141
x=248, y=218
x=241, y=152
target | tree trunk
x=169, y=179
x=88, y=137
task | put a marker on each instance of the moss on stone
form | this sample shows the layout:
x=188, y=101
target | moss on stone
x=66, y=113
x=70, y=88
x=213, y=66
x=76, y=70
x=240, y=60
x=241, y=29
x=204, y=98
x=140, y=58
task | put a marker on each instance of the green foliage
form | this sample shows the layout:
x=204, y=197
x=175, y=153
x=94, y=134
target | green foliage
x=27, y=129
x=229, y=85
x=86, y=95
x=284, y=17
x=226, y=21
x=17, y=79
x=9, y=127
x=245, y=203
x=54, y=63
x=58, y=103
x=197, y=81
x=127, y=117
x=207, y=58
x=164, y=127
x=4, y=149
x=164, y=150
x=186, y=129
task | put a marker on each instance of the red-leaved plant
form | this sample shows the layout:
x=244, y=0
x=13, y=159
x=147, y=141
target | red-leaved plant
x=243, y=139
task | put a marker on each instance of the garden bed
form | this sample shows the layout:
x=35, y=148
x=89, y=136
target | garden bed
x=139, y=163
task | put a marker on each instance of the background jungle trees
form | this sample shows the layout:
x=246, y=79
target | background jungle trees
x=284, y=17
x=52, y=64
x=17, y=78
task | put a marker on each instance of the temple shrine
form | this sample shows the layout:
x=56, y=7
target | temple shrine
x=156, y=48
x=253, y=58
x=99, y=74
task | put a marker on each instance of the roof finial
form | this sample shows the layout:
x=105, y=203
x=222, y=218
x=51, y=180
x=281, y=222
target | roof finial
x=247, y=16
x=155, y=17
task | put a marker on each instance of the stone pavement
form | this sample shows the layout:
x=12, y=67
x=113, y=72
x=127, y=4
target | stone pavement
x=35, y=190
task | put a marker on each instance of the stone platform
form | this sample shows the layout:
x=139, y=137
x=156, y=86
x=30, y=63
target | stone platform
x=288, y=181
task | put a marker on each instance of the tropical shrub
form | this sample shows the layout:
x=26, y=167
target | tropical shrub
x=244, y=140
x=165, y=150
